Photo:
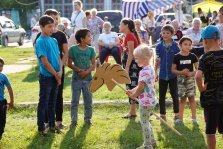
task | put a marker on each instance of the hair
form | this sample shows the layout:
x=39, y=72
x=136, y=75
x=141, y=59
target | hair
x=131, y=27
x=196, y=19
x=94, y=10
x=87, y=12
x=81, y=33
x=199, y=9
x=78, y=2
x=184, y=38
x=145, y=51
x=138, y=20
x=2, y=60
x=221, y=10
x=45, y=19
x=168, y=27
x=51, y=12
x=107, y=23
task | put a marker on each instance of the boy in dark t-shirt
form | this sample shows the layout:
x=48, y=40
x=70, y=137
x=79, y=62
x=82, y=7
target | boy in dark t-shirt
x=183, y=65
x=211, y=89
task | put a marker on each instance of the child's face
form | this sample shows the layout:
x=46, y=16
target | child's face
x=137, y=25
x=186, y=46
x=167, y=35
x=141, y=61
x=87, y=39
x=48, y=29
x=107, y=28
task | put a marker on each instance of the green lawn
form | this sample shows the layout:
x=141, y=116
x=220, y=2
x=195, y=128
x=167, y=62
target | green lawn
x=109, y=131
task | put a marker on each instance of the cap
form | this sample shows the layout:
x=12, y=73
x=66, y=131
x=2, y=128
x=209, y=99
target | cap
x=209, y=32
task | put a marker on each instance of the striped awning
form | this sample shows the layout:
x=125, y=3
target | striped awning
x=139, y=8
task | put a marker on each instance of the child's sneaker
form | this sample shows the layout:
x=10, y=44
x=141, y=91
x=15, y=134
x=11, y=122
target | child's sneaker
x=43, y=133
x=89, y=123
x=73, y=124
x=178, y=121
x=194, y=121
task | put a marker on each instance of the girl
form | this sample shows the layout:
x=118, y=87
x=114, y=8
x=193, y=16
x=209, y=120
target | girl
x=183, y=64
x=145, y=90
x=131, y=41
x=82, y=62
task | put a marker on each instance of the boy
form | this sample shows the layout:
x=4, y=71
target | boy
x=48, y=55
x=166, y=50
x=3, y=103
x=211, y=89
x=63, y=47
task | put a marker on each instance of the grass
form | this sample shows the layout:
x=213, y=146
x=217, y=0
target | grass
x=11, y=55
x=109, y=131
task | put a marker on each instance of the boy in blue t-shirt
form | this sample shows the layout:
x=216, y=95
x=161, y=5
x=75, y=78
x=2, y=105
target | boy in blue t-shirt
x=3, y=102
x=165, y=51
x=48, y=55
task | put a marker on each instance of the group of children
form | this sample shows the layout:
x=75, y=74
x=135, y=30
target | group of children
x=178, y=70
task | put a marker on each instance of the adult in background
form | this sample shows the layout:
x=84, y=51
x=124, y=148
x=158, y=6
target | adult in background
x=143, y=35
x=131, y=41
x=214, y=18
x=33, y=22
x=177, y=32
x=202, y=16
x=149, y=23
x=195, y=34
x=109, y=43
x=220, y=25
x=94, y=25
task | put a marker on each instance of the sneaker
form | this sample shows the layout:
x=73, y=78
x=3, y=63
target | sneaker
x=46, y=125
x=73, y=124
x=178, y=121
x=194, y=121
x=61, y=126
x=89, y=123
x=55, y=130
x=42, y=133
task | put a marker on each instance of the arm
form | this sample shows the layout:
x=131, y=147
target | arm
x=138, y=90
x=73, y=67
x=201, y=86
x=100, y=43
x=84, y=73
x=84, y=21
x=11, y=95
x=130, y=45
x=117, y=42
x=194, y=72
x=65, y=54
x=175, y=71
x=47, y=65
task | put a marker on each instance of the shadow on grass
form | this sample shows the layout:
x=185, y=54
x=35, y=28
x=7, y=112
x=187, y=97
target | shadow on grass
x=191, y=138
x=131, y=137
x=42, y=141
x=72, y=141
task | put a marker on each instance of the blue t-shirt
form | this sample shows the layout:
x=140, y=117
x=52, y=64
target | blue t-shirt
x=3, y=82
x=48, y=47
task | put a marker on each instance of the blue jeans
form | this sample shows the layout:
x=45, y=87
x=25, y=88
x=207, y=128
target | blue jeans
x=104, y=52
x=77, y=87
x=47, y=100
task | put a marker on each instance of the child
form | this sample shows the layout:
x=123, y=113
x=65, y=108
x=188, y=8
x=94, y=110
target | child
x=166, y=50
x=48, y=55
x=183, y=64
x=3, y=103
x=211, y=88
x=145, y=90
x=82, y=62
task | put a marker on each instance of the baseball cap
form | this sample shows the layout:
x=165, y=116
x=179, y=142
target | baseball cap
x=209, y=32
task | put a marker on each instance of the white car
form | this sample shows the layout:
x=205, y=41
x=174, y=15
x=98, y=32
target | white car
x=36, y=29
x=9, y=32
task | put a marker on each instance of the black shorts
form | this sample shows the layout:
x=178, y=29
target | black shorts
x=214, y=119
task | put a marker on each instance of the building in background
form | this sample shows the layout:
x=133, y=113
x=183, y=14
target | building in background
x=65, y=7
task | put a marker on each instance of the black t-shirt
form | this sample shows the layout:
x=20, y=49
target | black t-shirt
x=60, y=37
x=185, y=62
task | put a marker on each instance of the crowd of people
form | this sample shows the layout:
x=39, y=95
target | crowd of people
x=176, y=62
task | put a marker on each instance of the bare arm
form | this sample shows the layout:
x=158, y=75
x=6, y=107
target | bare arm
x=201, y=86
x=47, y=65
x=11, y=95
x=73, y=67
x=139, y=90
x=175, y=71
x=130, y=45
x=65, y=54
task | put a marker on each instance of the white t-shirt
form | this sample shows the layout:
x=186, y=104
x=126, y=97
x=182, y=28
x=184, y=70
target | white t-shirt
x=33, y=22
x=77, y=19
x=108, y=38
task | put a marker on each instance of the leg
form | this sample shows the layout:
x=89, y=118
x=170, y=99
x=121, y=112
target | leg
x=104, y=52
x=87, y=96
x=162, y=95
x=44, y=95
x=3, y=109
x=52, y=103
x=174, y=95
x=115, y=54
x=211, y=140
x=76, y=92
x=182, y=107
x=59, y=101
x=192, y=106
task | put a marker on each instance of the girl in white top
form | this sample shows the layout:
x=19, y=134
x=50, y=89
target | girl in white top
x=145, y=91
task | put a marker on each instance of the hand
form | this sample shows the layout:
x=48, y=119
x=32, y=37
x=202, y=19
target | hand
x=10, y=105
x=58, y=79
x=204, y=88
x=83, y=74
x=156, y=77
x=59, y=74
x=185, y=72
x=129, y=92
x=111, y=46
x=190, y=74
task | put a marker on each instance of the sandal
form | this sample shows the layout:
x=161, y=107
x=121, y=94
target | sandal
x=129, y=116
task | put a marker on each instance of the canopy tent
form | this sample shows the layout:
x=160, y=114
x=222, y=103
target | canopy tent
x=139, y=8
x=208, y=5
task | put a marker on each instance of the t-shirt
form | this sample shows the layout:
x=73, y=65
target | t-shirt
x=129, y=37
x=195, y=36
x=142, y=35
x=185, y=62
x=177, y=36
x=47, y=46
x=148, y=97
x=94, y=24
x=108, y=38
x=81, y=59
x=3, y=82
x=61, y=39
x=77, y=19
